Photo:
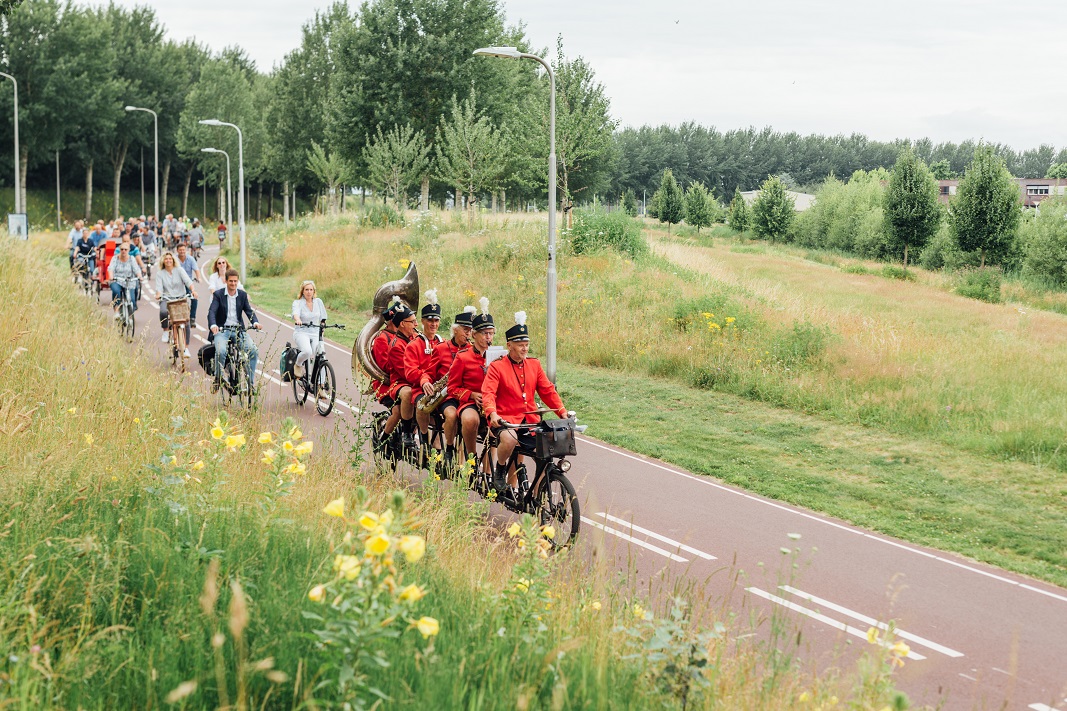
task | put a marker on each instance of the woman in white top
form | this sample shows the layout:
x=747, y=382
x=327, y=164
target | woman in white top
x=216, y=279
x=171, y=285
x=308, y=311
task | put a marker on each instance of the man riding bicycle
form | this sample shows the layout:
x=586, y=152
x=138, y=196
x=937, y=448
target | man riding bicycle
x=508, y=397
x=229, y=307
x=466, y=374
x=85, y=249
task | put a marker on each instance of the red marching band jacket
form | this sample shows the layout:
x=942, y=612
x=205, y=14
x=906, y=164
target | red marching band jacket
x=443, y=355
x=504, y=394
x=397, y=378
x=465, y=375
x=380, y=347
x=418, y=356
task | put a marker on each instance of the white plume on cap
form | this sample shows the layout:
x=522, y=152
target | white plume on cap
x=484, y=303
x=469, y=309
x=431, y=296
x=520, y=318
x=396, y=299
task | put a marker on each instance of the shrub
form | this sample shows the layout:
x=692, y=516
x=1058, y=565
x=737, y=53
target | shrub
x=1044, y=243
x=855, y=269
x=595, y=229
x=942, y=252
x=382, y=216
x=803, y=344
x=738, y=212
x=847, y=216
x=268, y=253
x=892, y=271
x=982, y=284
x=773, y=212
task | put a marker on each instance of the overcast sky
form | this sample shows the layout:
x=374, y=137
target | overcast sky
x=947, y=69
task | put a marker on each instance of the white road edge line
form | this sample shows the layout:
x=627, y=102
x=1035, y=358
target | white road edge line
x=871, y=621
x=653, y=534
x=823, y=521
x=337, y=400
x=1041, y=707
x=635, y=541
x=278, y=321
x=862, y=634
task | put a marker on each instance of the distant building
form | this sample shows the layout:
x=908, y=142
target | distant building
x=801, y=201
x=1031, y=190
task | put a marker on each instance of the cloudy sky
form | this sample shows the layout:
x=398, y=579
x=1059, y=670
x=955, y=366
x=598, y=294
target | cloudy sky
x=947, y=69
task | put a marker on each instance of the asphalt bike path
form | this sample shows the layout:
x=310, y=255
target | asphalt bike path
x=980, y=637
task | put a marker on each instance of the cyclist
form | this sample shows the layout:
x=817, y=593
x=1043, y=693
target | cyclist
x=75, y=234
x=399, y=387
x=189, y=265
x=105, y=253
x=196, y=235
x=222, y=233
x=229, y=307
x=216, y=278
x=419, y=355
x=84, y=248
x=444, y=354
x=172, y=283
x=308, y=311
x=170, y=226
x=508, y=396
x=380, y=348
x=466, y=374
x=122, y=267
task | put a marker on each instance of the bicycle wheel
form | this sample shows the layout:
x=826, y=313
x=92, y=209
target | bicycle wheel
x=325, y=388
x=178, y=336
x=128, y=321
x=482, y=474
x=242, y=389
x=557, y=506
x=300, y=389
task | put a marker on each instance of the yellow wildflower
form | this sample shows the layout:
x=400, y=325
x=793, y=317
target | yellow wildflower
x=428, y=626
x=377, y=544
x=72, y=410
x=522, y=585
x=386, y=518
x=596, y=605
x=548, y=531
x=296, y=468
x=470, y=294
x=805, y=697
x=287, y=446
x=514, y=530
x=730, y=319
x=412, y=593
x=266, y=438
x=137, y=420
x=413, y=547
x=317, y=593
x=520, y=277
x=404, y=263
x=872, y=635
x=901, y=649
x=639, y=612
x=369, y=520
x=303, y=448
x=347, y=566
x=713, y=326
x=217, y=432
x=235, y=441
x=198, y=465
x=335, y=508
x=89, y=439
x=268, y=456
x=295, y=433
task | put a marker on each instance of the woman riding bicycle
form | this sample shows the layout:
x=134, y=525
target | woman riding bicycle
x=216, y=278
x=171, y=285
x=122, y=267
x=308, y=311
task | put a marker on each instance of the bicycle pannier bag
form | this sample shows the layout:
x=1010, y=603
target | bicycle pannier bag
x=556, y=439
x=287, y=363
x=206, y=357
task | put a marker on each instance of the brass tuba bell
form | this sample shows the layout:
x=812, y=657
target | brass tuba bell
x=407, y=288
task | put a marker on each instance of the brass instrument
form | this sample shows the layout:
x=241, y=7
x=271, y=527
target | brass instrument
x=407, y=288
x=429, y=403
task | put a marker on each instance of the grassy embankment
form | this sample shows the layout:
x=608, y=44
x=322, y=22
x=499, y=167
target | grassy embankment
x=895, y=405
x=133, y=576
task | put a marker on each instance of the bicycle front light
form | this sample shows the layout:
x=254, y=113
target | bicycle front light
x=565, y=466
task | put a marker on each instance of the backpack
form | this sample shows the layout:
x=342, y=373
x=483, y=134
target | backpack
x=206, y=358
x=287, y=363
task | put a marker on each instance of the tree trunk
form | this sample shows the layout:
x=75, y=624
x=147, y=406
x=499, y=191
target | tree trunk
x=363, y=198
x=493, y=197
x=285, y=201
x=117, y=162
x=185, y=190
x=259, y=203
x=982, y=266
x=459, y=198
x=163, y=195
x=344, y=192
x=424, y=196
x=89, y=191
x=270, y=202
x=905, y=257
x=504, y=200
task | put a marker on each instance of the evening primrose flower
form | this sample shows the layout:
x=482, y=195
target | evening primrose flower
x=639, y=612
x=548, y=531
x=266, y=438
x=900, y=649
x=297, y=468
x=296, y=434
x=412, y=593
x=235, y=441
x=317, y=593
x=377, y=544
x=287, y=446
x=872, y=635
x=596, y=605
x=514, y=530
x=198, y=465
x=804, y=697
x=89, y=439
x=522, y=585
x=268, y=456
x=335, y=508
x=369, y=520
x=428, y=627
x=303, y=448
x=347, y=566
x=413, y=547
x=217, y=432
x=386, y=518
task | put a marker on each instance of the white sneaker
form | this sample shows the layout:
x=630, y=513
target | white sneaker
x=166, y=337
x=186, y=353
x=116, y=316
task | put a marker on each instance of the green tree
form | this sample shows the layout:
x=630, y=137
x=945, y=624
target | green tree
x=912, y=215
x=942, y=170
x=329, y=170
x=985, y=213
x=469, y=152
x=1057, y=170
x=628, y=203
x=773, y=212
x=700, y=206
x=669, y=200
x=395, y=161
x=738, y=212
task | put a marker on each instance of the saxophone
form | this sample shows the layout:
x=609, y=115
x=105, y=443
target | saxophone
x=430, y=403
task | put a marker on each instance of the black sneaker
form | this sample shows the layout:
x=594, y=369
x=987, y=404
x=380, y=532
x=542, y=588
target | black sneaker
x=500, y=481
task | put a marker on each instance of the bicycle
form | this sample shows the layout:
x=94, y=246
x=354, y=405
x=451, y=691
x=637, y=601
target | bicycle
x=178, y=317
x=149, y=258
x=82, y=276
x=234, y=383
x=319, y=377
x=126, y=307
x=550, y=496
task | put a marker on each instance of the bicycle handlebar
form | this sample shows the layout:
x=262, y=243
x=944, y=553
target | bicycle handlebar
x=505, y=425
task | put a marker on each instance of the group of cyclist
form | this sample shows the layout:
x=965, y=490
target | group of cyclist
x=479, y=391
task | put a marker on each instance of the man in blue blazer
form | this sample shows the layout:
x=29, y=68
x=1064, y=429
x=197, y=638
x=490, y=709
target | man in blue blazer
x=229, y=307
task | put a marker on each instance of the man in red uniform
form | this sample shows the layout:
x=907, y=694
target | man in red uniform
x=508, y=396
x=444, y=354
x=380, y=347
x=466, y=374
x=399, y=387
x=417, y=359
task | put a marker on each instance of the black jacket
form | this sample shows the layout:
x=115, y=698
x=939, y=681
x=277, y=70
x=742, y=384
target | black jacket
x=219, y=311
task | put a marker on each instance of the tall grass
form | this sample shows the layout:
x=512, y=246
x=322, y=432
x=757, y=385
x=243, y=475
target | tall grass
x=146, y=562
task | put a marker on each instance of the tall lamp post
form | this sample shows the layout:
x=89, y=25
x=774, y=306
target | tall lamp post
x=550, y=326
x=18, y=176
x=155, y=159
x=229, y=185
x=241, y=185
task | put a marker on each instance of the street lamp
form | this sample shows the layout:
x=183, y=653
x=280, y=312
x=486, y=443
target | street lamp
x=241, y=185
x=229, y=185
x=550, y=335
x=18, y=176
x=155, y=159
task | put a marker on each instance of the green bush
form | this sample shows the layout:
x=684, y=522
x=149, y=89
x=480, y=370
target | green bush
x=595, y=229
x=943, y=252
x=803, y=344
x=892, y=271
x=982, y=284
x=855, y=269
x=847, y=217
x=1043, y=240
x=268, y=253
x=381, y=216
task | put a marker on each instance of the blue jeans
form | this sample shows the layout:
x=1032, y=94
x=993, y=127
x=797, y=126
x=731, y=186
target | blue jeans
x=116, y=294
x=222, y=340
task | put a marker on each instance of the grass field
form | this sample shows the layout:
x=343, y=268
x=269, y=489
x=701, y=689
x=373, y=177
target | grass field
x=896, y=405
x=151, y=558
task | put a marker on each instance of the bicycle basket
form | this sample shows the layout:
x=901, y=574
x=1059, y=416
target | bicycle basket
x=178, y=310
x=556, y=439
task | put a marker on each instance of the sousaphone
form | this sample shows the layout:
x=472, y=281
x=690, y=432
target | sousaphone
x=407, y=288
